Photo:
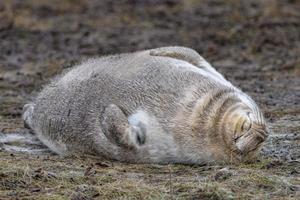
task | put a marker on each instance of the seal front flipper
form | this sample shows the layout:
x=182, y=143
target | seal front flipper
x=117, y=128
x=188, y=55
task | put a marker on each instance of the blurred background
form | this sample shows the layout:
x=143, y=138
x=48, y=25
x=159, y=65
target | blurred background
x=254, y=43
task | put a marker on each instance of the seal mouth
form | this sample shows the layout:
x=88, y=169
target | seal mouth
x=250, y=141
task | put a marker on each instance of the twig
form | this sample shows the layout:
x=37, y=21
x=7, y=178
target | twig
x=171, y=183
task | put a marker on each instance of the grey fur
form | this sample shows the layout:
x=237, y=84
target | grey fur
x=160, y=106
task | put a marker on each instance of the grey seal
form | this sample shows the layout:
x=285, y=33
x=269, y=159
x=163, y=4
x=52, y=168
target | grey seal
x=164, y=105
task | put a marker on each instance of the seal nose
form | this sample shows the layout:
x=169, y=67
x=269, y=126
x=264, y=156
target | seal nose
x=249, y=142
x=259, y=139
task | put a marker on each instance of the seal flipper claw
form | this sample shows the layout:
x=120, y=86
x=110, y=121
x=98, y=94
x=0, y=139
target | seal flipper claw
x=140, y=132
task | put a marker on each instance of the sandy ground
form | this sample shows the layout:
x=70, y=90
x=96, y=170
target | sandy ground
x=255, y=44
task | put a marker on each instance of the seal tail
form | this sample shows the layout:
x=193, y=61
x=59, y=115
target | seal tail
x=27, y=116
x=22, y=142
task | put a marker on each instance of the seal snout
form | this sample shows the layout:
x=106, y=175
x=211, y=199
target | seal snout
x=251, y=141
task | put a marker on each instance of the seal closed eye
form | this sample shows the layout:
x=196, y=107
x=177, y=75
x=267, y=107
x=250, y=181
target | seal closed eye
x=165, y=105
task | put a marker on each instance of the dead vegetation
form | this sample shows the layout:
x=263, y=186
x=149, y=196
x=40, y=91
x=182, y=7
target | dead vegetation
x=28, y=176
x=255, y=44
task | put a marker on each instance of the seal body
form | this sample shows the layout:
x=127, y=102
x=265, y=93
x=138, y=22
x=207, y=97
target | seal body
x=165, y=105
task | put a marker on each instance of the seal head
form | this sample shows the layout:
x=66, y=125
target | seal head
x=233, y=125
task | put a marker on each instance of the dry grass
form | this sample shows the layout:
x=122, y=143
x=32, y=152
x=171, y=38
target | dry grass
x=53, y=177
x=255, y=44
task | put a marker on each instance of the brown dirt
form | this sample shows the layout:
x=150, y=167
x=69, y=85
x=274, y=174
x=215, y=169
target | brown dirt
x=255, y=44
